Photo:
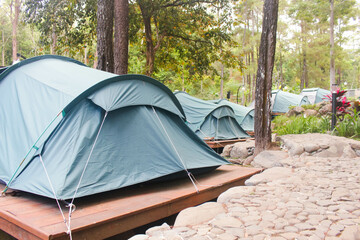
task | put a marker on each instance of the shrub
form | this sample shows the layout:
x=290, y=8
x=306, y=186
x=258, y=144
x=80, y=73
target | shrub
x=297, y=125
x=311, y=106
x=349, y=126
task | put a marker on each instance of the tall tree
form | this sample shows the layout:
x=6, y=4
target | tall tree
x=248, y=13
x=185, y=23
x=105, y=23
x=14, y=16
x=53, y=18
x=304, y=76
x=6, y=29
x=121, y=36
x=332, y=59
x=264, y=76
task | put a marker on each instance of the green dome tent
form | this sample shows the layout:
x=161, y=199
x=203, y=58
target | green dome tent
x=209, y=120
x=244, y=115
x=281, y=101
x=81, y=131
x=315, y=95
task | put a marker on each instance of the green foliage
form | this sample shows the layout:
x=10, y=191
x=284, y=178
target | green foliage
x=298, y=125
x=5, y=30
x=197, y=38
x=311, y=106
x=349, y=126
x=69, y=26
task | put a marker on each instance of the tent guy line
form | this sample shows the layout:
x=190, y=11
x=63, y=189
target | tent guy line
x=177, y=153
x=114, y=131
x=67, y=224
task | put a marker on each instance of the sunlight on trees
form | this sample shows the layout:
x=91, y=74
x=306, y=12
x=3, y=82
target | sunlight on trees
x=192, y=40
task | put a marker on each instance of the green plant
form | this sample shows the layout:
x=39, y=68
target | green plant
x=325, y=123
x=349, y=126
x=344, y=128
x=311, y=106
x=298, y=125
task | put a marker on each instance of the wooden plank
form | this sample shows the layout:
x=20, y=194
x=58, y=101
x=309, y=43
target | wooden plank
x=17, y=228
x=108, y=214
x=251, y=133
x=277, y=113
x=223, y=143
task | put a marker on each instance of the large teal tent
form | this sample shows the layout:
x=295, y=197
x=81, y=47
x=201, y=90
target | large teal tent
x=281, y=101
x=209, y=120
x=83, y=131
x=244, y=115
x=315, y=95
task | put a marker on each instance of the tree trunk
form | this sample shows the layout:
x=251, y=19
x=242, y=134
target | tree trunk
x=150, y=52
x=183, y=80
x=121, y=33
x=222, y=80
x=264, y=76
x=86, y=55
x=332, y=59
x=253, y=58
x=3, y=50
x=281, y=70
x=105, y=17
x=95, y=59
x=338, y=82
x=304, y=81
x=304, y=75
x=14, y=21
x=53, y=40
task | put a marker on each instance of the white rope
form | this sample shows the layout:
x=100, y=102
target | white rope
x=71, y=205
x=204, y=185
x=72, y=208
x=57, y=201
x=87, y=161
x=177, y=153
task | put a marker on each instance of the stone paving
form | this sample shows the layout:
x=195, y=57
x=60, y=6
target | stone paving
x=307, y=197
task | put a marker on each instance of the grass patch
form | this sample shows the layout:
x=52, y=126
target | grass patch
x=348, y=127
x=298, y=125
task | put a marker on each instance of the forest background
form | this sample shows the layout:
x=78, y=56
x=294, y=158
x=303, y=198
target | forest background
x=207, y=48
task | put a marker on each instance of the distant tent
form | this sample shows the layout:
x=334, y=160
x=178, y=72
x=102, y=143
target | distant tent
x=209, y=120
x=315, y=95
x=244, y=115
x=76, y=122
x=281, y=101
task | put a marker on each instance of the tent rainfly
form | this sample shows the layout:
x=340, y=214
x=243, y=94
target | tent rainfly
x=315, y=95
x=244, y=115
x=209, y=120
x=281, y=101
x=2, y=69
x=81, y=131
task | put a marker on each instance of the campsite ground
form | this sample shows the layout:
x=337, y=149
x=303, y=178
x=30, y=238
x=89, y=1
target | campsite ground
x=310, y=194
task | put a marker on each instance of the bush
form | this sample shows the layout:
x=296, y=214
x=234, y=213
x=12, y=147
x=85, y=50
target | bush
x=311, y=106
x=348, y=126
x=297, y=125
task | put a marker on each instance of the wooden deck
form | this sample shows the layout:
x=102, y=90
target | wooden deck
x=222, y=143
x=27, y=217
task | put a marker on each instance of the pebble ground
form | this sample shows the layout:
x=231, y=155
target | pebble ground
x=320, y=200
